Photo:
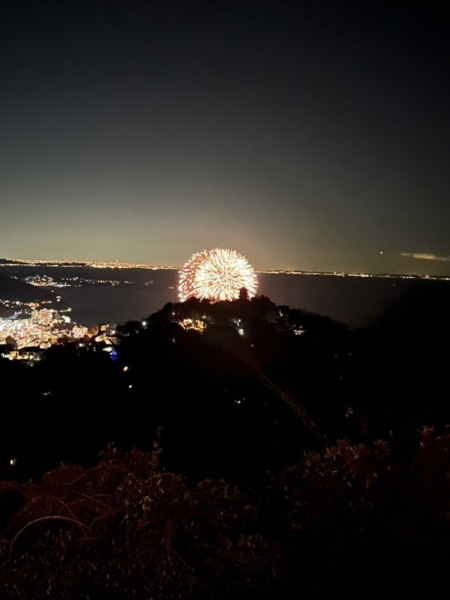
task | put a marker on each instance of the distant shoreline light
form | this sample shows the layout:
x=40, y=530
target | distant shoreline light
x=12, y=262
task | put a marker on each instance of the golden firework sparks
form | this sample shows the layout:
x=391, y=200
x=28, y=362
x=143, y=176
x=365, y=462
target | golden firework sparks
x=217, y=274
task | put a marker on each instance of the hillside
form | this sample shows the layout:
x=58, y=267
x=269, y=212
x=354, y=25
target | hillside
x=230, y=451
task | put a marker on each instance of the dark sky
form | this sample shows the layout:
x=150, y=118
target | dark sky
x=307, y=135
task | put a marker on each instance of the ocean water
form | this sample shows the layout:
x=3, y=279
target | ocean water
x=354, y=301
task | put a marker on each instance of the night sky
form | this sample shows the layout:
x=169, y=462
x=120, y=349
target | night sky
x=307, y=135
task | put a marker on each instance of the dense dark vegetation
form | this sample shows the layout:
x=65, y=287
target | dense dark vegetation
x=277, y=453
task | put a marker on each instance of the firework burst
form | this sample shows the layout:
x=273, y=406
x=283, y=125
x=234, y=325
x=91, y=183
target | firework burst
x=217, y=274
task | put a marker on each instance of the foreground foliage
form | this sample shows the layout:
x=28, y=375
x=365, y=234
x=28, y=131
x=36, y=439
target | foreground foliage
x=123, y=526
x=342, y=522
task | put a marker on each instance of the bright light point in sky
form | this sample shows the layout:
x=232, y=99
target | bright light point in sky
x=217, y=274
